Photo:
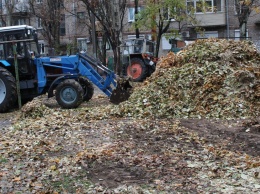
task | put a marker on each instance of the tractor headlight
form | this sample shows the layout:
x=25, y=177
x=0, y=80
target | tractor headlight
x=151, y=63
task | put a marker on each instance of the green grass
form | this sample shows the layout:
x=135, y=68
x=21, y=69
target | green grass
x=3, y=160
x=68, y=183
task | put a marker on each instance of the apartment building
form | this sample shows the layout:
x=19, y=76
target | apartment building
x=72, y=20
x=221, y=21
x=218, y=20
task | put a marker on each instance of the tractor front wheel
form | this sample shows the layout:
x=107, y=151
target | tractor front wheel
x=69, y=94
x=8, y=92
x=137, y=70
x=87, y=87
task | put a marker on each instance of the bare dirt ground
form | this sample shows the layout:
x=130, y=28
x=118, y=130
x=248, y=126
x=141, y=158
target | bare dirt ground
x=237, y=135
x=124, y=155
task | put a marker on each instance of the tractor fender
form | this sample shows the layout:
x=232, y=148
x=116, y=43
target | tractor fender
x=57, y=81
x=5, y=63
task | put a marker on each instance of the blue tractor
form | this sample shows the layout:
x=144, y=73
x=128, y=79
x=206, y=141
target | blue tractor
x=25, y=75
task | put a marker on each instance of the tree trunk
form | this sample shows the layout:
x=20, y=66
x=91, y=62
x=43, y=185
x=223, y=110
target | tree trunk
x=158, y=42
x=103, y=50
x=136, y=12
x=243, y=30
x=116, y=65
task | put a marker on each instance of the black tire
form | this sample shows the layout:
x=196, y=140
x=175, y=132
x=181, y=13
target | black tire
x=69, y=94
x=137, y=70
x=8, y=92
x=87, y=87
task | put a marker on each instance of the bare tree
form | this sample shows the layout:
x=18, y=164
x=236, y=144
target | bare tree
x=49, y=13
x=110, y=15
x=9, y=6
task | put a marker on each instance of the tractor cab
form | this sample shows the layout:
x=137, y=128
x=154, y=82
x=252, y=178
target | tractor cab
x=18, y=43
x=139, y=46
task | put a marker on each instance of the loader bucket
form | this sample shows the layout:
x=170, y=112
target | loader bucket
x=122, y=91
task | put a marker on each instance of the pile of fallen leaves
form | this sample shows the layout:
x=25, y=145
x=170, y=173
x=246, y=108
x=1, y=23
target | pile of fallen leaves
x=211, y=78
x=35, y=108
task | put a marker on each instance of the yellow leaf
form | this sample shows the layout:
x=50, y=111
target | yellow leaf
x=53, y=167
x=17, y=179
x=57, y=160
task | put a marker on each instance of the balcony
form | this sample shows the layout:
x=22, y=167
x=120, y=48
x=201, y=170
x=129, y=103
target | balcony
x=211, y=19
x=21, y=8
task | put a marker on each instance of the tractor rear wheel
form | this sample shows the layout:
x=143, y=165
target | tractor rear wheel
x=137, y=70
x=87, y=87
x=69, y=94
x=8, y=92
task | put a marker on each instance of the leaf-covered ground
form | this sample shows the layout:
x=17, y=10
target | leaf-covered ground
x=61, y=151
x=192, y=127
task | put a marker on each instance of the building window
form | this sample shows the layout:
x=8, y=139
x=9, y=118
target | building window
x=237, y=34
x=208, y=34
x=131, y=13
x=62, y=25
x=20, y=21
x=81, y=15
x=82, y=44
x=42, y=47
x=39, y=23
x=201, y=6
x=167, y=13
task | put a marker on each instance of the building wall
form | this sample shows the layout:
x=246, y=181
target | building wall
x=75, y=27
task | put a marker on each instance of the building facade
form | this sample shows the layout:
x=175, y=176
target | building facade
x=218, y=19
